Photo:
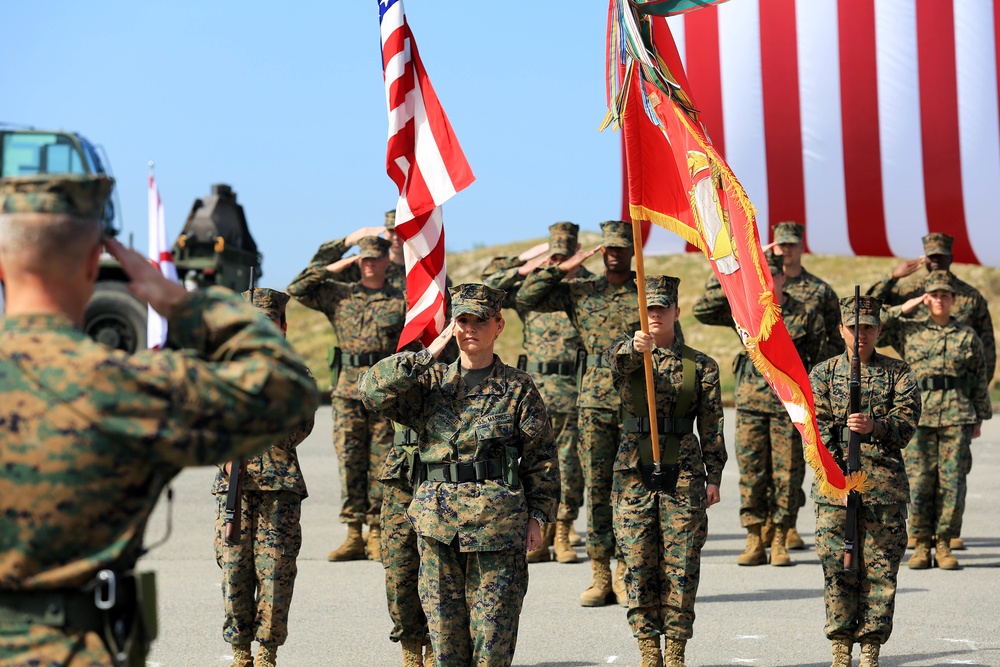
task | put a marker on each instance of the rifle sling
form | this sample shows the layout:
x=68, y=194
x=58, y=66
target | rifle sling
x=670, y=445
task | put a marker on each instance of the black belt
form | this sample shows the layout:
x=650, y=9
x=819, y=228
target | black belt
x=940, y=383
x=552, y=367
x=845, y=434
x=596, y=361
x=472, y=471
x=60, y=608
x=675, y=425
x=363, y=359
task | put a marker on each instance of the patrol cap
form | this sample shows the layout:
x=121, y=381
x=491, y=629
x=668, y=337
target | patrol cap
x=938, y=280
x=869, y=310
x=374, y=246
x=776, y=263
x=616, y=234
x=271, y=301
x=390, y=219
x=562, y=238
x=938, y=244
x=661, y=290
x=476, y=299
x=788, y=232
x=81, y=196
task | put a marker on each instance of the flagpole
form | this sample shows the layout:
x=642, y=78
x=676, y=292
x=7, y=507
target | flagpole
x=647, y=356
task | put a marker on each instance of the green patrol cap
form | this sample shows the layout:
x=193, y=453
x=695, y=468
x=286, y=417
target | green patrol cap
x=938, y=280
x=476, y=299
x=776, y=263
x=869, y=310
x=562, y=238
x=76, y=195
x=390, y=219
x=271, y=301
x=938, y=244
x=661, y=290
x=788, y=232
x=374, y=246
x=617, y=234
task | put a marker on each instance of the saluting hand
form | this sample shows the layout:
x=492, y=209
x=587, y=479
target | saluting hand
x=358, y=234
x=532, y=264
x=438, y=344
x=579, y=258
x=342, y=263
x=145, y=280
x=533, y=252
x=911, y=304
x=908, y=267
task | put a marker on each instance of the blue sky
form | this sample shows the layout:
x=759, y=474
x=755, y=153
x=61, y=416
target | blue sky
x=285, y=102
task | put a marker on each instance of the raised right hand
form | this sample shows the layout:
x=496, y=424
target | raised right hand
x=358, y=234
x=579, y=258
x=533, y=251
x=438, y=344
x=342, y=263
x=145, y=280
x=908, y=267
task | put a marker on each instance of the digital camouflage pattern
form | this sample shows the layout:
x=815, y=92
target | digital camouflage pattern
x=271, y=301
x=768, y=446
x=80, y=196
x=374, y=247
x=76, y=415
x=817, y=296
x=400, y=556
x=374, y=318
x=935, y=459
x=331, y=251
x=550, y=338
x=471, y=535
x=476, y=299
x=661, y=535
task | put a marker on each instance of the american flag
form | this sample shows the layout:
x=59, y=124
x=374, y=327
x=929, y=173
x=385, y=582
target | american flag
x=425, y=161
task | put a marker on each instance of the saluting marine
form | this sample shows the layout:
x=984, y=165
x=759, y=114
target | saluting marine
x=259, y=569
x=91, y=435
x=661, y=531
x=947, y=358
x=860, y=602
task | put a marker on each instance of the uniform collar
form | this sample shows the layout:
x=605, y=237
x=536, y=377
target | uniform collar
x=37, y=321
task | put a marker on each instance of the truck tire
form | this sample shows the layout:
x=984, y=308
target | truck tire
x=116, y=318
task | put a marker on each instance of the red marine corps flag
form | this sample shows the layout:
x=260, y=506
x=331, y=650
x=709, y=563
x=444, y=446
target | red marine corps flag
x=427, y=164
x=677, y=180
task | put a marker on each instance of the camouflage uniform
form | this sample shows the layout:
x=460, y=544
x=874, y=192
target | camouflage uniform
x=950, y=368
x=258, y=573
x=601, y=312
x=860, y=603
x=551, y=342
x=375, y=318
x=661, y=535
x=471, y=532
x=768, y=446
x=90, y=436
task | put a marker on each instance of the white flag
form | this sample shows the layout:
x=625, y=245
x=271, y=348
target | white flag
x=163, y=258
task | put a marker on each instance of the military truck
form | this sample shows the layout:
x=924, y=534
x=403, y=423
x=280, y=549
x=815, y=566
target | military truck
x=215, y=247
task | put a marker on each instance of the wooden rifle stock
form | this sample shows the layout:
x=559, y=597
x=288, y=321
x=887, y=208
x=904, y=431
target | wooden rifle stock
x=851, y=546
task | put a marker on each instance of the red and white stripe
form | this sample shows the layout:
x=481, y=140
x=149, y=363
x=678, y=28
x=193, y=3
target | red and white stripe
x=873, y=122
x=427, y=164
x=161, y=255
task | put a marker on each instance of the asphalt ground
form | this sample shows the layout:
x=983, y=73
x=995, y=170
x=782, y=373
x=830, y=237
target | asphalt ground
x=746, y=615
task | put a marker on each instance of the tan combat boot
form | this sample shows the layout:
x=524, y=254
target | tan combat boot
x=541, y=554
x=921, y=558
x=375, y=543
x=600, y=588
x=779, y=554
x=574, y=537
x=267, y=656
x=911, y=541
x=767, y=533
x=618, y=584
x=673, y=653
x=957, y=544
x=649, y=652
x=754, y=554
x=793, y=540
x=353, y=547
x=942, y=554
x=841, y=653
x=562, y=547
x=428, y=653
x=412, y=652
x=242, y=656
x=869, y=653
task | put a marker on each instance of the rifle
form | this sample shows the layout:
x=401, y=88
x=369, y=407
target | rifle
x=851, y=546
x=234, y=498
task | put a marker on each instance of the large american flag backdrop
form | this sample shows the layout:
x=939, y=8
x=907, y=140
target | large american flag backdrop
x=872, y=122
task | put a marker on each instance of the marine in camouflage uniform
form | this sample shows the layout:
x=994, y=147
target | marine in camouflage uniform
x=768, y=446
x=661, y=534
x=860, y=602
x=258, y=572
x=374, y=312
x=814, y=294
x=947, y=358
x=602, y=308
x=488, y=464
x=334, y=251
x=551, y=342
x=91, y=435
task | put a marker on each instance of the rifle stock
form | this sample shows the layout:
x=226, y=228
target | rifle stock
x=234, y=502
x=851, y=546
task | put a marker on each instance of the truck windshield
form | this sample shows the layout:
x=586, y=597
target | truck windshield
x=31, y=153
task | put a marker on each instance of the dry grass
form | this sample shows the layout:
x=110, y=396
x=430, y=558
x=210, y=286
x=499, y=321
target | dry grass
x=310, y=332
